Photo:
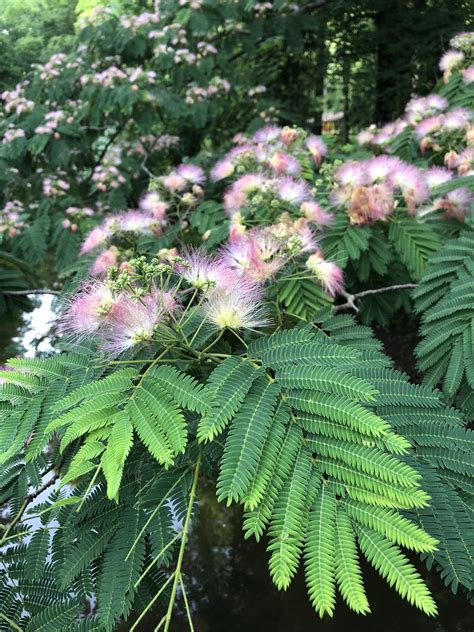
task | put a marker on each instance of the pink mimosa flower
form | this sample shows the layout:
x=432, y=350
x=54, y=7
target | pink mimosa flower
x=235, y=307
x=328, y=273
x=104, y=261
x=88, y=310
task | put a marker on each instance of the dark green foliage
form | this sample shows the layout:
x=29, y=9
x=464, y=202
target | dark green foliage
x=445, y=300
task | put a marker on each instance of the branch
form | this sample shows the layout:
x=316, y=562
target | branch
x=352, y=298
x=145, y=159
x=45, y=486
x=108, y=144
x=28, y=292
x=28, y=500
x=307, y=8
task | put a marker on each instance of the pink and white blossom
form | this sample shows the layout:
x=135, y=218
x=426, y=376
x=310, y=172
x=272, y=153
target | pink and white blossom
x=328, y=273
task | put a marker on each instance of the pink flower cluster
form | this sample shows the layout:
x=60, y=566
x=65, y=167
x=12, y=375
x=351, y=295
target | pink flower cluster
x=420, y=108
x=138, y=222
x=435, y=132
x=74, y=215
x=10, y=218
x=459, y=56
x=135, y=22
x=107, y=175
x=51, y=122
x=55, y=186
x=229, y=300
x=182, y=185
x=463, y=161
x=55, y=65
x=274, y=149
x=371, y=189
x=328, y=273
x=383, y=135
x=421, y=113
x=121, y=319
x=118, y=319
x=15, y=100
x=259, y=253
x=112, y=76
x=217, y=86
x=268, y=165
x=468, y=75
x=12, y=133
x=433, y=122
x=455, y=204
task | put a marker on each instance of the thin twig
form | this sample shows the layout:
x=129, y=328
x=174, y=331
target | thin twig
x=151, y=602
x=11, y=623
x=108, y=145
x=179, y=563
x=28, y=500
x=147, y=156
x=28, y=292
x=186, y=603
x=154, y=512
x=352, y=298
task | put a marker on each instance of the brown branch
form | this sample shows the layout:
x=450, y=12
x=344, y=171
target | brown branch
x=108, y=145
x=147, y=156
x=44, y=487
x=28, y=500
x=352, y=298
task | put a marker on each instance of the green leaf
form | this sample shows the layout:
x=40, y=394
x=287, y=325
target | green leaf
x=387, y=559
x=245, y=441
x=320, y=552
x=118, y=446
x=346, y=563
x=288, y=523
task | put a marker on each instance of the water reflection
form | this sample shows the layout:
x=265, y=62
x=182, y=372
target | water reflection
x=34, y=335
x=27, y=334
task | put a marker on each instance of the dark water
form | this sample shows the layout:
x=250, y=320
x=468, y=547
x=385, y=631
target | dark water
x=227, y=577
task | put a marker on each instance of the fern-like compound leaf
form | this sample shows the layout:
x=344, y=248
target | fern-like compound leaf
x=184, y=389
x=388, y=560
x=393, y=526
x=245, y=441
x=346, y=563
x=288, y=523
x=228, y=385
x=118, y=447
x=320, y=550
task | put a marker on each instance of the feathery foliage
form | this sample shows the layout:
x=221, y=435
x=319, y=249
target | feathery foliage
x=445, y=298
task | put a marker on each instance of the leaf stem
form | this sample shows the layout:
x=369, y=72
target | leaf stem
x=154, y=512
x=183, y=545
x=11, y=623
x=186, y=603
x=91, y=485
x=155, y=559
x=152, y=601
